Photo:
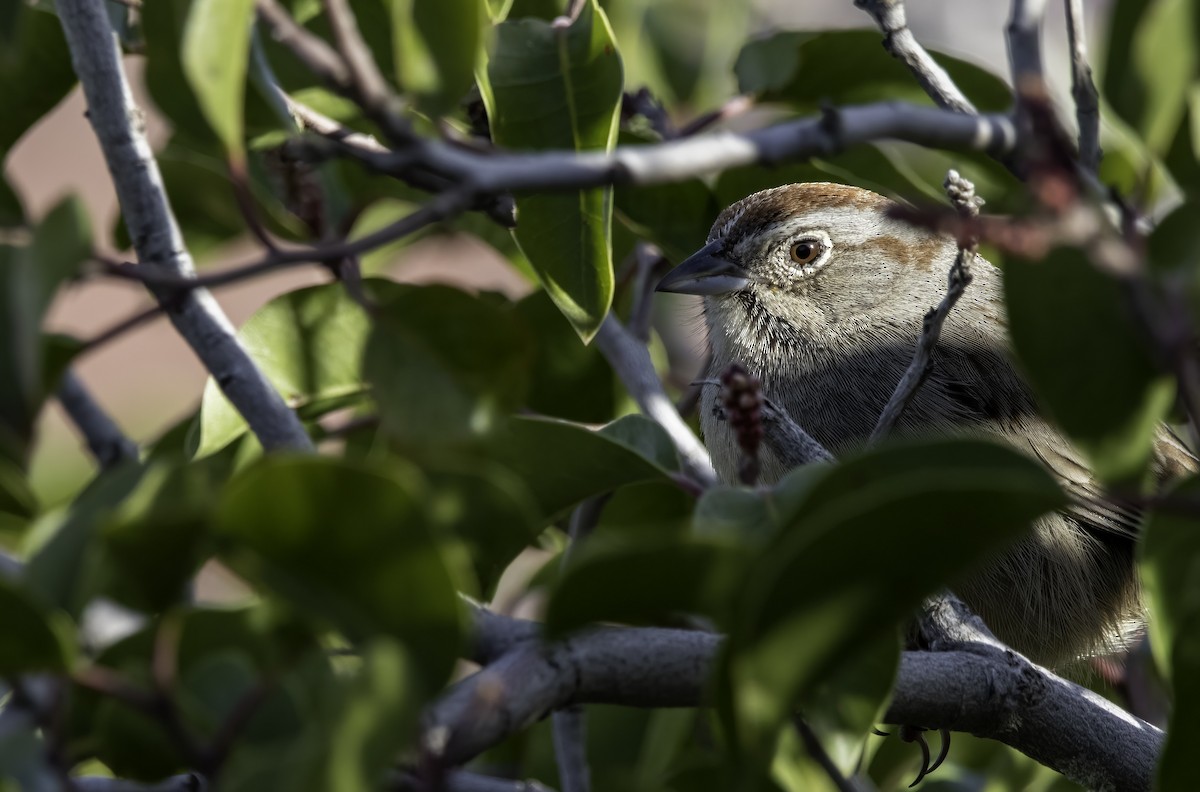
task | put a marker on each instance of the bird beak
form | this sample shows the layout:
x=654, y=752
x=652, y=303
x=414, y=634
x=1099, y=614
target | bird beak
x=705, y=272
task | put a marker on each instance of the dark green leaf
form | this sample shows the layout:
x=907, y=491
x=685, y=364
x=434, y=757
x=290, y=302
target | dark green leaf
x=1170, y=571
x=351, y=543
x=155, y=535
x=568, y=379
x=676, y=217
x=308, y=343
x=650, y=510
x=559, y=87
x=490, y=509
x=445, y=366
x=29, y=277
x=847, y=67
x=1152, y=62
x=35, y=72
x=216, y=50
x=37, y=638
x=645, y=437
x=644, y=583
x=17, y=501
x=866, y=541
x=1063, y=313
x=63, y=566
x=438, y=44
x=563, y=463
x=12, y=210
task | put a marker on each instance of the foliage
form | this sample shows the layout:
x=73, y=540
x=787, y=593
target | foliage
x=460, y=434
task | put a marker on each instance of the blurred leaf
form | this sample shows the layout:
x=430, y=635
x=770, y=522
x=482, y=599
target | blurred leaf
x=650, y=510
x=62, y=566
x=1170, y=571
x=445, y=366
x=694, y=44
x=378, y=215
x=658, y=580
x=1152, y=61
x=848, y=67
x=563, y=463
x=1055, y=336
x=1183, y=157
x=842, y=709
x=568, y=379
x=12, y=210
x=438, y=44
x=308, y=343
x=676, y=217
x=216, y=49
x=554, y=87
x=154, y=538
x=29, y=277
x=35, y=71
x=645, y=437
x=490, y=509
x=17, y=500
x=36, y=638
x=352, y=543
x=867, y=540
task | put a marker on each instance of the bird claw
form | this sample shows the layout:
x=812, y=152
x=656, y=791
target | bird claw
x=916, y=734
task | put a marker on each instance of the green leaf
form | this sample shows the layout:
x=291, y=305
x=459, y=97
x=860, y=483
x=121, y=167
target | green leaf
x=652, y=509
x=349, y=542
x=29, y=277
x=563, y=463
x=568, y=379
x=438, y=44
x=676, y=217
x=866, y=541
x=308, y=343
x=1054, y=338
x=549, y=86
x=35, y=72
x=63, y=566
x=659, y=581
x=1170, y=571
x=490, y=509
x=216, y=49
x=848, y=67
x=1152, y=62
x=444, y=366
x=37, y=639
x=154, y=538
x=12, y=209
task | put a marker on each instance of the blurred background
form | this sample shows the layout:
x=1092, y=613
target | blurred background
x=149, y=379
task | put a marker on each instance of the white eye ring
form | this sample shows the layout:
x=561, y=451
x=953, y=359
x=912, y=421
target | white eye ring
x=809, y=252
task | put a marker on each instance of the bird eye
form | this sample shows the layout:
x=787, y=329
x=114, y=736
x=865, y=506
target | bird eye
x=806, y=251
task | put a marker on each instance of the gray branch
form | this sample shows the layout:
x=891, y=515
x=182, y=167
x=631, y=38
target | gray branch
x=104, y=438
x=189, y=782
x=903, y=46
x=790, y=444
x=1025, y=42
x=569, y=733
x=155, y=234
x=631, y=361
x=962, y=195
x=1083, y=88
x=976, y=687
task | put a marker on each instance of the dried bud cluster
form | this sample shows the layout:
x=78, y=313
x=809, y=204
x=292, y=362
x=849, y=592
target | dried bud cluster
x=742, y=398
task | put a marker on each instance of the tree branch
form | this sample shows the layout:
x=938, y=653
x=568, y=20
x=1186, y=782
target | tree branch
x=790, y=444
x=1025, y=42
x=105, y=440
x=631, y=361
x=983, y=689
x=962, y=195
x=1083, y=88
x=155, y=234
x=903, y=46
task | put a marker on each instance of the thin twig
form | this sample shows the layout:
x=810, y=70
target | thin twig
x=569, y=734
x=439, y=208
x=152, y=226
x=812, y=744
x=730, y=109
x=1024, y=35
x=105, y=440
x=1083, y=88
x=631, y=361
x=366, y=82
x=903, y=46
x=790, y=444
x=962, y=195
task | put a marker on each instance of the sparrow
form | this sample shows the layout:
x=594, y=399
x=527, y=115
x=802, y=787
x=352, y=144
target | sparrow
x=820, y=293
